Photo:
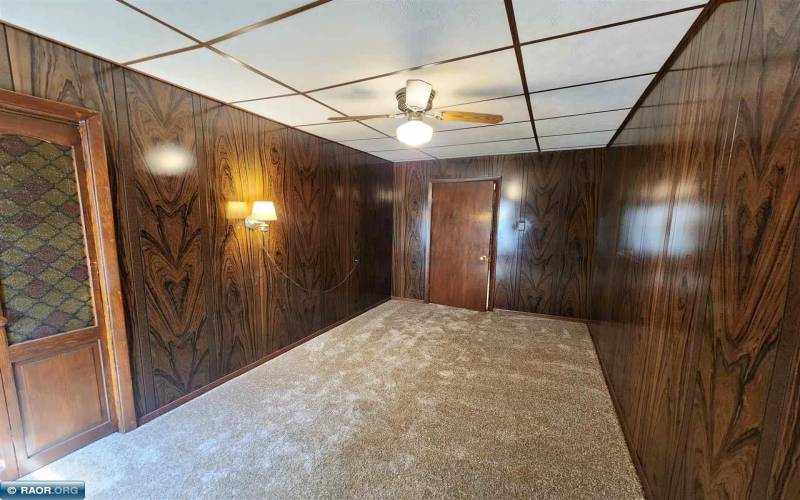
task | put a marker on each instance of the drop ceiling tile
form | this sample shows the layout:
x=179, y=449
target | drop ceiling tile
x=630, y=49
x=402, y=155
x=537, y=19
x=618, y=94
x=370, y=145
x=207, y=19
x=581, y=123
x=575, y=140
x=211, y=74
x=486, y=148
x=474, y=79
x=345, y=131
x=107, y=29
x=292, y=110
x=344, y=41
x=520, y=130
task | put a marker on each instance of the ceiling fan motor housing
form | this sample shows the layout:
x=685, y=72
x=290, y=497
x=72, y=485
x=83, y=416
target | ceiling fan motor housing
x=402, y=106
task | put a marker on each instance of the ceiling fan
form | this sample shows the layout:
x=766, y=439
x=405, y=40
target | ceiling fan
x=415, y=101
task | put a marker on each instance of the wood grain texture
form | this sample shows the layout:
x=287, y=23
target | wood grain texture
x=201, y=299
x=6, y=81
x=696, y=224
x=171, y=233
x=543, y=266
x=753, y=257
x=237, y=280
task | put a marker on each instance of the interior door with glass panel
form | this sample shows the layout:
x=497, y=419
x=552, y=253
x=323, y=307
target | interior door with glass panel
x=52, y=347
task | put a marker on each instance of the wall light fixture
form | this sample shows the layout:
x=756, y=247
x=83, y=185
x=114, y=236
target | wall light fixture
x=262, y=213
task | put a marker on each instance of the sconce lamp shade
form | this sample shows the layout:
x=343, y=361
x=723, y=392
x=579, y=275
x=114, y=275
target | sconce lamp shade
x=263, y=211
x=237, y=210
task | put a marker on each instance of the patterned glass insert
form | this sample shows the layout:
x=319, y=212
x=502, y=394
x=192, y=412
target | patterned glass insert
x=44, y=280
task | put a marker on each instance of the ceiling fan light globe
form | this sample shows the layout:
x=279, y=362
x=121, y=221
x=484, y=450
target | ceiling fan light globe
x=414, y=133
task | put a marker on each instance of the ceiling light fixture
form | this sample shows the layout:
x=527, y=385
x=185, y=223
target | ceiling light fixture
x=414, y=132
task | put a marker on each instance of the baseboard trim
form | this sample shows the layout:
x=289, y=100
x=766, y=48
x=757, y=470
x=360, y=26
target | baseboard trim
x=646, y=490
x=543, y=316
x=406, y=299
x=202, y=390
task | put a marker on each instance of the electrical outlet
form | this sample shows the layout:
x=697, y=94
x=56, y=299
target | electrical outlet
x=520, y=225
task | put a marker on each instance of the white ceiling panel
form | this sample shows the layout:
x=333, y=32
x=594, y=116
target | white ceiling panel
x=575, y=140
x=485, y=148
x=589, y=98
x=474, y=79
x=370, y=145
x=293, y=110
x=218, y=77
x=207, y=19
x=537, y=19
x=610, y=120
x=105, y=28
x=626, y=50
x=520, y=130
x=402, y=155
x=344, y=131
x=344, y=41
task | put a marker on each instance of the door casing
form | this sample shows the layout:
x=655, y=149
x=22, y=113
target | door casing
x=111, y=352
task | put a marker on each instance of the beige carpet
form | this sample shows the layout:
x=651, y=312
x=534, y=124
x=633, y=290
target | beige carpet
x=406, y=401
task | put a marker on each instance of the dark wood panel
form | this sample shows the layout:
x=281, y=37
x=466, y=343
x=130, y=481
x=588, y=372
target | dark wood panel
x=302, y=199
x=541, y=255
x=778, y=465
x=6, y=82
x=235, y=174
x=171, y=237
x=544, y=264
x=335, y=221
x=750, y=272
x=697, y=217
x=200, y=299
x=412, y=179
x=511, y=172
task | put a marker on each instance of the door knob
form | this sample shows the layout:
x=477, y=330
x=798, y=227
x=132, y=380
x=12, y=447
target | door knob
x=484, y=258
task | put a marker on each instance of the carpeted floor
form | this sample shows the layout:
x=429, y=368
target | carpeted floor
x=406, y=401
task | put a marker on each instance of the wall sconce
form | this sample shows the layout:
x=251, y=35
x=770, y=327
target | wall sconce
x=237, y=210
x=263, y=212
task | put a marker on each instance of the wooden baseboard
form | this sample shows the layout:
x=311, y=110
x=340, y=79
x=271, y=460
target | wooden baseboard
x=543, y=316
x=637, y=464
x=406, y=299
x=197, y=392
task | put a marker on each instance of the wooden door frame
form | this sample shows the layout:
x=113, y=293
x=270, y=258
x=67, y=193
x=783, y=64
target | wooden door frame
x=493, y=243
x=117, y=359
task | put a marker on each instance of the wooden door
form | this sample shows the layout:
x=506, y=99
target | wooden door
x=54, y=373
x=461, y=238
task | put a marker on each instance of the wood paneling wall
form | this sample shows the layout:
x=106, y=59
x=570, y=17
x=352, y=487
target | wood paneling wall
x=543, y=267
x=693, y=299
x=203, y=300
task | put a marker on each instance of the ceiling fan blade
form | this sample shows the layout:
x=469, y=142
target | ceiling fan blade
x=357, y=117
x=417, y=94
x=465, y=116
